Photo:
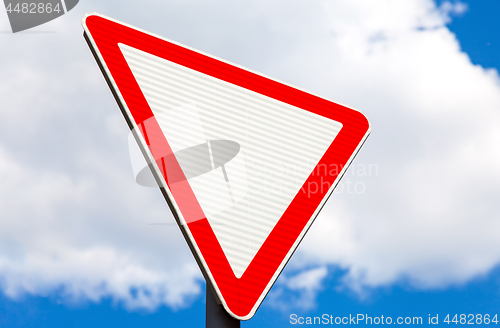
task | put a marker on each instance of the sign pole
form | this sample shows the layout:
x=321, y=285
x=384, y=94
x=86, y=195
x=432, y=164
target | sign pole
x=216, y=316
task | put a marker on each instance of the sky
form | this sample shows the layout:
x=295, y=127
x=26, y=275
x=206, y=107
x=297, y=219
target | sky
x=412, y=230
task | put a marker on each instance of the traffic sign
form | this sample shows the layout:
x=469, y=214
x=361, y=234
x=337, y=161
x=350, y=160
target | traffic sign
x=245, y=162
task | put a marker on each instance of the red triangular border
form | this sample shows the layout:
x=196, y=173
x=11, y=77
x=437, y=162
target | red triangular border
x=240, y=297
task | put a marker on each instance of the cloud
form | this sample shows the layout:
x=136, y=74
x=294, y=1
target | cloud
x=72, y=219
x=299, y=290
x=428, y=215
x=425, y=210
x=456, y=8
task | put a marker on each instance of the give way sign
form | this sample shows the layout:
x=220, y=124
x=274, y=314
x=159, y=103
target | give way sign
x=245, y=162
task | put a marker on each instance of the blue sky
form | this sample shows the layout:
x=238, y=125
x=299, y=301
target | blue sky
x=477, y=33
x=362, y=277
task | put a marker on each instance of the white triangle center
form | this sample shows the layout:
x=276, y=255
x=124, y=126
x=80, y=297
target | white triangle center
x=245, y=155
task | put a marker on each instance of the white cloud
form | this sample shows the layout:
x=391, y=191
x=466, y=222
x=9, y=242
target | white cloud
x=448, y=8
x=430, y=215
x=299, y=290
x=307, y=280
x=72, y=217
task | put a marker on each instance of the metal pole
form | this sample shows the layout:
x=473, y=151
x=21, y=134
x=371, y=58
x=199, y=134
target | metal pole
x=216, y=316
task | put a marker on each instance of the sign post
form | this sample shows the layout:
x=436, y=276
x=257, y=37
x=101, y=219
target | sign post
x=245, y=162
x=215, y=315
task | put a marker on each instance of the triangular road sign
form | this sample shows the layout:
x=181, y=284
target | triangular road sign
x=245, y=162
